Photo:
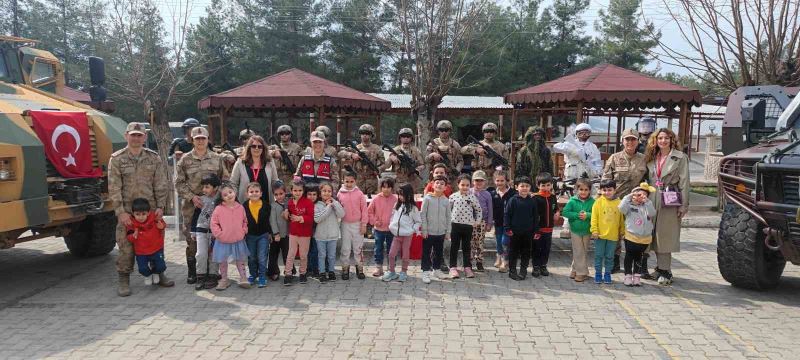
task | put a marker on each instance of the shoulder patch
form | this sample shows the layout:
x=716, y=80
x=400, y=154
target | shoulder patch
x=119, y=152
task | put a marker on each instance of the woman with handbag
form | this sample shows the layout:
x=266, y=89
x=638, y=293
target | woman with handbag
x=669, y=174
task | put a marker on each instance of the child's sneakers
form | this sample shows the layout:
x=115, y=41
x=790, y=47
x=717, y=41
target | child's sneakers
x=251, y=280
x=598, y=278
x=148, y=280
x=426, y=277
x=331, y=276
x=287, y=280
x=389, y=276
x=441, y=275
x=543, y=270
x=303, y=278
x=245, y=284
x=223, y=284
x=454, y=273
x=402, y=277
x=323, y=278
x=378, y=271
x=628, y=281
x=607, y=278
x=479, y=267
x=262, y=281
x=503, y=266
x=468, y=272
x=536, y=271
x=637, y=280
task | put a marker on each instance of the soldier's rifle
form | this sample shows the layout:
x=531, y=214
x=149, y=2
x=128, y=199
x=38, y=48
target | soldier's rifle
x=364, y=158
x=405, y=161
x=445, y=159
x=497, y=160
x=284, y=155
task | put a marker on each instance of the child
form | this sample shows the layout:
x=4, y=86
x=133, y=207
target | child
x=258, y=234
x=579, y=212
x=607, y=228
x=639, y=213
x=487, y=217
x=501, y=193
x=300, y=213
x=547, y=208
x=405, y=222
x=206, y=270
x=280, y=231
x=521, y=221
x=379, y=213
x=435, y=229
x=229, y=226
x=439, y=169
x=327, y=213
x=146, y=234
x=465, y=214
x=354, y=226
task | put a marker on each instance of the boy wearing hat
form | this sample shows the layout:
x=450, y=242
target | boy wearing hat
x=639, y=213
x=487, y=217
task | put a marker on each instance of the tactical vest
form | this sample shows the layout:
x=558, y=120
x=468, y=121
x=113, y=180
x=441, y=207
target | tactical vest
x=323, y=172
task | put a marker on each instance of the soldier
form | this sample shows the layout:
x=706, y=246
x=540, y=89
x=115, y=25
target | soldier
x=482, y=161
x=534, y=157
x=293, y=152
x=329, y=149
x=646, y=126
x=318, y=166
x=404, y=174
x=367, y=177
x=244, y=135
x=135, y=172
x=191, y=169
x=446, y=150
x=183, y=145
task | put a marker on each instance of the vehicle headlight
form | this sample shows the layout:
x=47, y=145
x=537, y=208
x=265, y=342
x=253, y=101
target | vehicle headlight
x=7, y=169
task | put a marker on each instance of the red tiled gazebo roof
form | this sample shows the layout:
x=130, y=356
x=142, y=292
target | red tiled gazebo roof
x=297, y=89
x=605, y=83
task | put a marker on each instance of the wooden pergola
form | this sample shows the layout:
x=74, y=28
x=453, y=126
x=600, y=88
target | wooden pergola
x=605, y=90
x=292, y=91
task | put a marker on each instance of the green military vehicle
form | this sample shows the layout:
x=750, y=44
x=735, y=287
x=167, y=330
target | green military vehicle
x=35, y=200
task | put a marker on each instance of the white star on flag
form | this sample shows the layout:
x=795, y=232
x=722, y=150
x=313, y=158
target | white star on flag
x=70, y=160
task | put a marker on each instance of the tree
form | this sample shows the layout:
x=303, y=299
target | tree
x=622, y=41
x=738, y=42
x=566, y=43
x=438, y=41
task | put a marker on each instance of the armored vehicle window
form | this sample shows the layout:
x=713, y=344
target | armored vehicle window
x=42, y=72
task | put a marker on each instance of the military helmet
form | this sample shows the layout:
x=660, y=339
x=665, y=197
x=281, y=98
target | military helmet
x=405, y=131
x=444, y=124
x=190, y=123
x=489, y=127
x=284, y=129
x=246, y=134
x=325, y=130
x=366, y=129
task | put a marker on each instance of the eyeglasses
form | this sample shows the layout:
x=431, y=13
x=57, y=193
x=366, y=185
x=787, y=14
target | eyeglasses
x=443, y=130
x=256, y=146
x=284, y=133
x=489, y=131
x=405, y=136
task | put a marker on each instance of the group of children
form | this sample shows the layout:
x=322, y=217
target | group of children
x=312, y=221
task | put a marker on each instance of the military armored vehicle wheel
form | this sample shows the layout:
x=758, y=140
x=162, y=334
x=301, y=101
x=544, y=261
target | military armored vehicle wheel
x=93, y=236
x=743, y=259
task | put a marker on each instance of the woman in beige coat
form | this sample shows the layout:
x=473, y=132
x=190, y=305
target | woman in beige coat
x=669, y=170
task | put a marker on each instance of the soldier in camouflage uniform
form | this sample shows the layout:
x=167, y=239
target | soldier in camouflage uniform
x=406, y=137
x=482, y=161
x=134, y=172
x=367, y=179
x=293, y=150
x=444, y=145
x=330, y=150
x=183, y=145
x=191, y=169
x=244, y=135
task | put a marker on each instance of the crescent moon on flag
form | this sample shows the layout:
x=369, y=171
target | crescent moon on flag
x=60, y=129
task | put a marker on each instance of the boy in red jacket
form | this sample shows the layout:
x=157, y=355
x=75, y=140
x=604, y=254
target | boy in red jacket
x=146, y=233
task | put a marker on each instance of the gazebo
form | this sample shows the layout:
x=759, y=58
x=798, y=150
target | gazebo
x=605, y=90
x=292, y=91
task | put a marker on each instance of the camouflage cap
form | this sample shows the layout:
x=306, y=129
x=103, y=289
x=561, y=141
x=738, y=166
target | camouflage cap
x=317, y=136
x=630, y=133
x=136, y=128
x=199, y=132
x=479, y=175
x=406, y=131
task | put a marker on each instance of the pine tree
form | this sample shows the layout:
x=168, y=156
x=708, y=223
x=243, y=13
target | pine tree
x=623, y=41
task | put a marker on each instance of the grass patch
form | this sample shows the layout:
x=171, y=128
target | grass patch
x=706, y=190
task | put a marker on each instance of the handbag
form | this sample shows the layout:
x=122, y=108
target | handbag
x=671, y=198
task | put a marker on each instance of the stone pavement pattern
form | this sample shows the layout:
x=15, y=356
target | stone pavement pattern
x=55, y=306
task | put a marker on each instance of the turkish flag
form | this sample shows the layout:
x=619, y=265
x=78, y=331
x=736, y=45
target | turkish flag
x=66, y=140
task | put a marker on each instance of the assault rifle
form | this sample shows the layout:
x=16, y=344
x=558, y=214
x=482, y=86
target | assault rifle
x=445, y=158
x=284, y=156
x=405, y=161
x=497, y=160
x=364, y=158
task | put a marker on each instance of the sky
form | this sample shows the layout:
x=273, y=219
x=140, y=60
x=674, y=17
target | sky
x=653, y=10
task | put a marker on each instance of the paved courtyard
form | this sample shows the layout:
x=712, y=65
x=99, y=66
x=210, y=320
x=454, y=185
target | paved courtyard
x=55, y=306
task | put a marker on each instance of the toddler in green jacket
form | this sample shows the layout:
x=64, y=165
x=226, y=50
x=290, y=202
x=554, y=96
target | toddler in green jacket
x=579, y=212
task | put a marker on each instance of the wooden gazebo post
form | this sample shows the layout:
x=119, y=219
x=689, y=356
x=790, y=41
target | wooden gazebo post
x=514, y=115
x=579, y=113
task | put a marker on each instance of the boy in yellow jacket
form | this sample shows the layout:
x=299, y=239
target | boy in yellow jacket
x=608, y=227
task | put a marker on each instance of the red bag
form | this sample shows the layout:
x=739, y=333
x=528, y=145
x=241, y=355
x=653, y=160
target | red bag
x=66, y=140
x=416, y=247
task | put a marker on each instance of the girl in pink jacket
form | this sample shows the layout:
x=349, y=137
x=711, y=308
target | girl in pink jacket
x=354, y=225
x=380, y=213
x=229, y=226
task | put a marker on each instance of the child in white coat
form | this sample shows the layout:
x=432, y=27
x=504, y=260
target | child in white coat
x=405, y=222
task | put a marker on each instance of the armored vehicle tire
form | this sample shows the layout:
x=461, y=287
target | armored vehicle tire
x=93, y=236
x=744, y=261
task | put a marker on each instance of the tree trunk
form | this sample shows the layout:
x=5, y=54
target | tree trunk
x=160, y=128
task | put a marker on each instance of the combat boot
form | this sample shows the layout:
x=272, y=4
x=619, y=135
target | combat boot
x=164, y=281
x=191, y=277
x=345, y=272
x=360, y=272
x=124, y=285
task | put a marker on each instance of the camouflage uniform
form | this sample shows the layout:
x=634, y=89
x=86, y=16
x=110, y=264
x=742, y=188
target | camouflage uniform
x=452, y=150
x=628, y=171
x=131, y=177
x=403, y=174
x=295, y=153
x=191, y=169
x=367, y=179
x=484, y=162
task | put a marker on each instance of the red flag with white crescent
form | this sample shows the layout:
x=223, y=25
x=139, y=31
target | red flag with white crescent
x=66, y=140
